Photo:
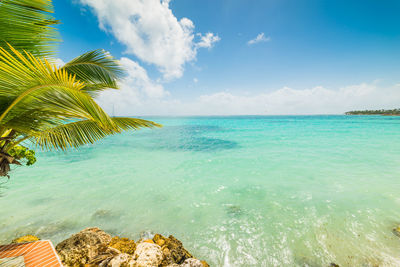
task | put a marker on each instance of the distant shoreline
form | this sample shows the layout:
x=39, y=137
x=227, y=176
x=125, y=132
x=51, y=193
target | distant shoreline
x=382, y=112
x=373, y=114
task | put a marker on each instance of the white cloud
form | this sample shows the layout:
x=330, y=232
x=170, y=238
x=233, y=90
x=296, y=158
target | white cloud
x=59, y=62
x=150, y=31
x=260, y=38
x=208, y=40
x=195, y=80
x=135, y=88
x=317, y=100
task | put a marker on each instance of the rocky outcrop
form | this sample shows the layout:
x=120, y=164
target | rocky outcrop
x=125, y=245
x=172, y=249
x=26, y=239
x=121, y=260
x=93, y=247
x=104, y=258
x=192, y=263
x=148, y=254
x=82, y=247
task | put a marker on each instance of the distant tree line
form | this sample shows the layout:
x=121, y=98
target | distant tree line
x=375, y=112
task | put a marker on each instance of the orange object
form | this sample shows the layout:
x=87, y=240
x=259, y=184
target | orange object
x=36, y=254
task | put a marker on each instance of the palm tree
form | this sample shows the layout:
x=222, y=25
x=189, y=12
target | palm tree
x=27, y=25
x=51, y=106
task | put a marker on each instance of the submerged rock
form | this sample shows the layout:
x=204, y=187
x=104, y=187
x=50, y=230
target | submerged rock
x=234, y=210
x=396, y=231
x=54, y=228
x=26, y=239
x=125, y=245
x=82, y=247
x=103, y=215
x=148, y=255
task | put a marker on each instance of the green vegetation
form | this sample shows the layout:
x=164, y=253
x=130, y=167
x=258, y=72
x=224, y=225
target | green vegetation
x=388, y=112
x=53, y=107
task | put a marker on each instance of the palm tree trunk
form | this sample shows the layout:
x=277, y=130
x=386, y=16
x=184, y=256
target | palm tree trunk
x=6, y=159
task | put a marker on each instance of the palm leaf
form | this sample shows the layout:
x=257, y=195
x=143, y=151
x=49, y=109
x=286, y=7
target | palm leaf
x=76, y=134
x=31, y=83
x=97, y=68
x=28, y=25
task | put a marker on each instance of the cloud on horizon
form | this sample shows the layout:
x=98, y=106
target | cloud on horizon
x=151, y=32
x=284, y=101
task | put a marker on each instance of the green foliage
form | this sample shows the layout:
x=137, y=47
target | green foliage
x=28, y=25
x=97, y=68
x=375, y=112
x=51, y=107
x=23, y=153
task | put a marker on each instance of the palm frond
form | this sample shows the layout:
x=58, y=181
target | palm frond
x=28, y=25
x=31, y=83
x=126, y=123
x=96, y=67
x=76, y=134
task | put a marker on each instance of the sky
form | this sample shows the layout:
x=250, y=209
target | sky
x=240, y=57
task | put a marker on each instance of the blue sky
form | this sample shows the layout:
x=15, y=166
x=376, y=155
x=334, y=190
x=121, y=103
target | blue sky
x=191, y=57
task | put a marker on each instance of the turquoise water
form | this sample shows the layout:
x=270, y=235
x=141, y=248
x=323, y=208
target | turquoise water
x=238, y=191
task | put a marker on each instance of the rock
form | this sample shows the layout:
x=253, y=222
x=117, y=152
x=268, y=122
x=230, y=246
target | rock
x=122, y=259
x=125, y=245
x=104, y=258
x=396, y=231
x=172, y=249
x=159, y=240
x=192, y=262
x=103, y=215
x=148, y=255
x=177, y=253
x=26, y=239
x=148, y=241
x=234, y=210
x=82, y=247
x=55, y=228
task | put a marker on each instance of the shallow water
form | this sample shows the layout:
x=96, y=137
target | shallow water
x=238, y=191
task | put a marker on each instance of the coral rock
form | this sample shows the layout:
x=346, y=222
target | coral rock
x=104, y=258
x=148, y=255
x=148, y=241
x=82, y=247
x=26, y=239
x=123, y=244
x=172, y=249
x=192, y=263
x=121, y=260
x=159, y=240
x=178, y=253
x=205, y=264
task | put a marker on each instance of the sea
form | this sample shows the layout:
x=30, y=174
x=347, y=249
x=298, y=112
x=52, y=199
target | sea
x=237, y=191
